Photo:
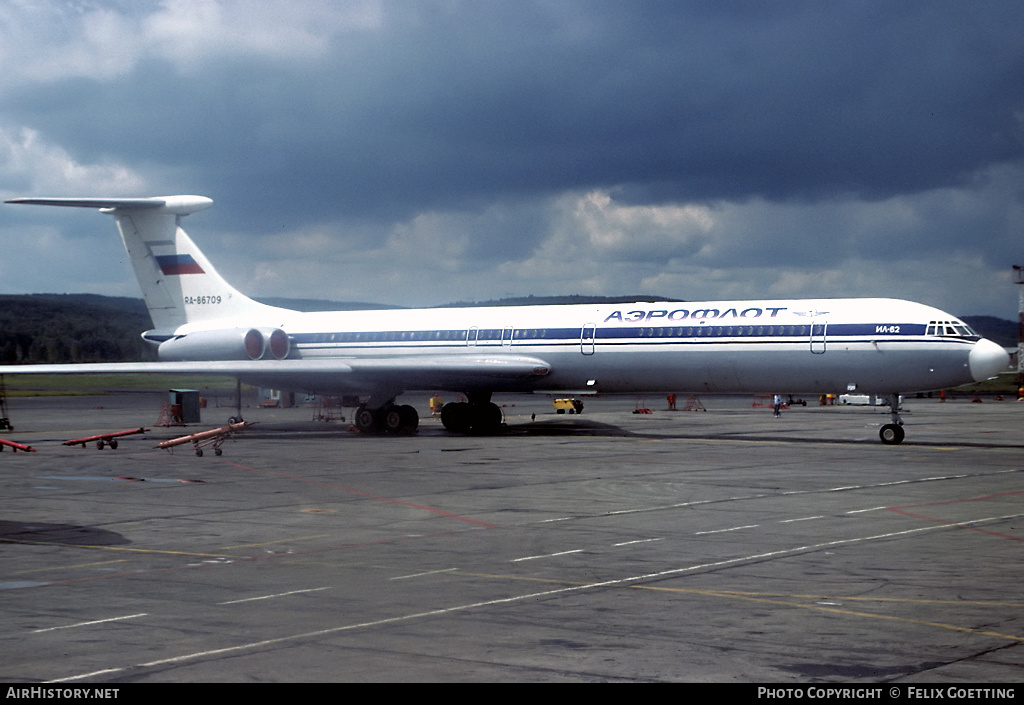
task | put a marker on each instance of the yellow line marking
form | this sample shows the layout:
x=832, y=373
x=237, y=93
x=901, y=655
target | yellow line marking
x=984, y=603
x=116, y=548
x=836, y=610
x=271, y=543
x=68, y=567
x=767, y=598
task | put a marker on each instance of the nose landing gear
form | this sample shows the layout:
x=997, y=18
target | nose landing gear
x=892, y=433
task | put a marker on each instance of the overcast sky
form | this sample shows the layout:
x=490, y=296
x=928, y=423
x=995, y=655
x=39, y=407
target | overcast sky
x=423, y=152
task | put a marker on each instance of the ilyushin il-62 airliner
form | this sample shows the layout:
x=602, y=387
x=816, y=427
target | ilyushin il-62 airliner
x=203, y=325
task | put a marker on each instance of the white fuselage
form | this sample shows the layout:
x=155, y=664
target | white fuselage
x=795, y=346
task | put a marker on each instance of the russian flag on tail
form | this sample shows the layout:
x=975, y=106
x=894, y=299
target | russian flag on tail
x=178, y=264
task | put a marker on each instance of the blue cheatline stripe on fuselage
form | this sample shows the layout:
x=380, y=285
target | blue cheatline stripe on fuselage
x=832, y=331
x=850, y=332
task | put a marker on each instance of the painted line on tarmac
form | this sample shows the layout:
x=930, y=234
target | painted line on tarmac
x=618, y=582
x=270, y=597
x=546, y=555
x=723, y=531
x=88, y=624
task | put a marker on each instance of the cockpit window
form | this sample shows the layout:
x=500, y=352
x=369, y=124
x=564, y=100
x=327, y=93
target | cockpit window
x=951, y=329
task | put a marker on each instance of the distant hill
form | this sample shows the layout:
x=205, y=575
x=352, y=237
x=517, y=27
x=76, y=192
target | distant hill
x=50, y=328
x=72, y=328
x=997, y=330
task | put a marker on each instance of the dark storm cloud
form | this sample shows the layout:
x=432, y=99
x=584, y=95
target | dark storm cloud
x=799, y=136
x=451, y=105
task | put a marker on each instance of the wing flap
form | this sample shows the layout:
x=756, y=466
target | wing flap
x=502, y=366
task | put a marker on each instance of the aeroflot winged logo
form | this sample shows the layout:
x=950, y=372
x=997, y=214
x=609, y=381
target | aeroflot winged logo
x=178, y=264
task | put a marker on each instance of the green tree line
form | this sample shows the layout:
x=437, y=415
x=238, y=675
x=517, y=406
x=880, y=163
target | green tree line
x=52, y=328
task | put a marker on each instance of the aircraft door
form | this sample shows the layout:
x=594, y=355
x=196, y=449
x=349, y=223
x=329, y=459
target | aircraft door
x=818, y=336
x=587, y=337
x=506, y=336
x=471, y=336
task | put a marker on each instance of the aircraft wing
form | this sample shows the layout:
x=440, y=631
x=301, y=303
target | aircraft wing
x=218, y=367
x=408, y=372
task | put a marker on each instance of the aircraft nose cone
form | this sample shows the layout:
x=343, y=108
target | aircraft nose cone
x=987, y=360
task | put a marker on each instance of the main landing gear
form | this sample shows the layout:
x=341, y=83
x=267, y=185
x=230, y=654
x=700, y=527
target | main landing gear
x=467, y=417
x=391, y=418
x=478, y=415
x=892, y=433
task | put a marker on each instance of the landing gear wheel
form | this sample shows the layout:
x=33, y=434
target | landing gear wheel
x=393, y=420
x=456, y=417
x=366, y=420
x=487, y=418
x=410, y=418
x=401, y=419
x=482, y=418
x=891, y=434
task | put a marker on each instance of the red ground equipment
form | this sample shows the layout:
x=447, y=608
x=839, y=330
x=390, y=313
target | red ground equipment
x=214, y=437
x=104, y=439
x=16, y=446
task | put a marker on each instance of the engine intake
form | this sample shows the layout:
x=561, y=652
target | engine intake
x=229, y=344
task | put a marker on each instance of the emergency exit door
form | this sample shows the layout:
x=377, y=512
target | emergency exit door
x=587, y=337
x=819, y=330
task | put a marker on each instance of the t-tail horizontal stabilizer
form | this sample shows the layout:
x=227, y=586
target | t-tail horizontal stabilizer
x=179, y=284
x=178, y=205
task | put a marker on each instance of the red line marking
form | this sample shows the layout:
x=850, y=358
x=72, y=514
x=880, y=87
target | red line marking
x=956, y=501
x=959, y=525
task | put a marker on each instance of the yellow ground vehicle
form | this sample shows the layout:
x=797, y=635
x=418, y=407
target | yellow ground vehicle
x=573, y=406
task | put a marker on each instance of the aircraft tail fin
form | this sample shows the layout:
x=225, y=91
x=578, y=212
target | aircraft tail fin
x=178, y=282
